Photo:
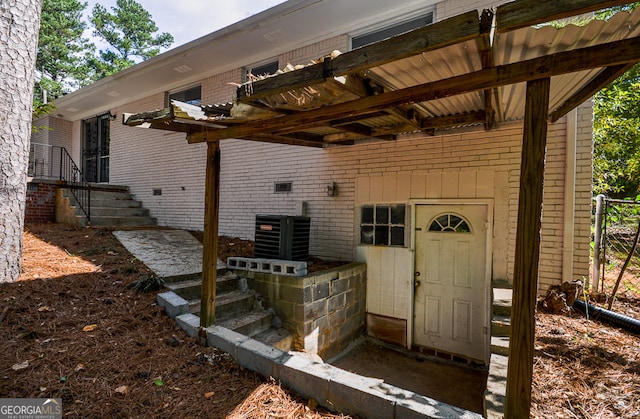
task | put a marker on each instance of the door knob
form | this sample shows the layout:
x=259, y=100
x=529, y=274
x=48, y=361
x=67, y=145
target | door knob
x=417, y=274
x=416, y=283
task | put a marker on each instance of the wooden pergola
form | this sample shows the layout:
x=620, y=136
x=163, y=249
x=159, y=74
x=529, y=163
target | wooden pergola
x=345, y=98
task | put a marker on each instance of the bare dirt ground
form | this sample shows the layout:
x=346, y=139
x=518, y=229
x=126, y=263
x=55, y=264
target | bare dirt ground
x=73, y=328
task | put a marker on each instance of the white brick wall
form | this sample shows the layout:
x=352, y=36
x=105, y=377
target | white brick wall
x=151, y=159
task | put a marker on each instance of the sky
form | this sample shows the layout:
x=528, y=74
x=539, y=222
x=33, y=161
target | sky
x=187, y=20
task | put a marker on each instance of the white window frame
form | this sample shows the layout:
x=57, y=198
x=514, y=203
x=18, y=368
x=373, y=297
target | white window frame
x=395, y=21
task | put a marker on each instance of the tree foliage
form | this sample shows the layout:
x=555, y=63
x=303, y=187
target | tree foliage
x=68, y=60
x=129, y=30
x=60, y=63
x=617, y=132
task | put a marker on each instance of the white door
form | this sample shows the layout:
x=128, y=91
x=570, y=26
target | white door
x=451, y=303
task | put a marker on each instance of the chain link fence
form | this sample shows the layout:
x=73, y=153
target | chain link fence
x=617, y=259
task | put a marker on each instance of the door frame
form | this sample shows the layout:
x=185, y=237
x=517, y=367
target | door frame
x=414, y=203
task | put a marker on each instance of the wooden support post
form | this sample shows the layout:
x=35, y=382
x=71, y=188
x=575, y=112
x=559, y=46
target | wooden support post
x=525, y=281
x=210, y=241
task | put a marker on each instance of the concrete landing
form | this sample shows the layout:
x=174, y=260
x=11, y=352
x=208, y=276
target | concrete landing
x=170, y=254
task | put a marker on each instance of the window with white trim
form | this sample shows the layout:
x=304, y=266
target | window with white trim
x=256, y=71
x=383, y=224
x=401, y=26
x=191, y=95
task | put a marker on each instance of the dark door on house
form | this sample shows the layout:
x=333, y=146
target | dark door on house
x=95, y=148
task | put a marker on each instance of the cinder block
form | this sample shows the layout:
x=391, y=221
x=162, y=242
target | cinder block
x=173, y=304
x=366, y=397
x=190, y=323
x=308, y=378
x=291, y=268
x=225, y=339
x=258, y=357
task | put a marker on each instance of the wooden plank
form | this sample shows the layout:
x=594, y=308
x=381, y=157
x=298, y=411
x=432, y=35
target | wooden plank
x=523, y=13
x=525, y=275
x=210, y=239
x=455, y=120
x=605, y=77
x=428, y=38
x=618, y=52
x=161, y=115
x=387, y=329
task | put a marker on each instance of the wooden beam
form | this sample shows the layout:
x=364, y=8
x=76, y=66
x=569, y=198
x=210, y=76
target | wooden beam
x=613, y=53
x=210, y=239
x=604, y=78
x=525, y=275
x=485, y=41
x=450, y=121
x=280, y=139
x=161, y=115
x=524, y=13
x=428, y=38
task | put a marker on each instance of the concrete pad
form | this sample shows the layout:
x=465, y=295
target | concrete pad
x=496, y=386
x=168, y=253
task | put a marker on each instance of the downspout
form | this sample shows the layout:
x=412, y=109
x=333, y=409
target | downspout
x=569, y=196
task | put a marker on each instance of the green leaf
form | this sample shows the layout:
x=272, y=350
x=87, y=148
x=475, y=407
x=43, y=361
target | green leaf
x=158, y=382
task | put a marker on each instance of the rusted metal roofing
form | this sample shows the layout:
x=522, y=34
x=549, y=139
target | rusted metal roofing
x=466, y=57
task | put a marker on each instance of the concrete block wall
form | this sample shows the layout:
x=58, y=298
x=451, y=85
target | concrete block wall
x=325, y=311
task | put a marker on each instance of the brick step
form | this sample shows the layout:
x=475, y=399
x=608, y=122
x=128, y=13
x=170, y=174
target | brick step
x=501, y=326
x=228, y=305
x=249, y=324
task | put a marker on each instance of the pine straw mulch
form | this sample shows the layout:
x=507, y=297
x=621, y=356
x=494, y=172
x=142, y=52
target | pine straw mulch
x=73, y=328
x=585, y=368
x=132, y=361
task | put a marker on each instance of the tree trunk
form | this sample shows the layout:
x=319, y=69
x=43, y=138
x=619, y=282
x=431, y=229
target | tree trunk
x=19, y=25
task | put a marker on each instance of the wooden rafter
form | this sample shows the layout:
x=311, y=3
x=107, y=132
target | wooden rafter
x=485, y=42
x=605, y=77
x=609, y=54
x=429, y=38
x=523, y=13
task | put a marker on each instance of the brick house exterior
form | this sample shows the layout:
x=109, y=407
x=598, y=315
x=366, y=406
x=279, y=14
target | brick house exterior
x=461, y=166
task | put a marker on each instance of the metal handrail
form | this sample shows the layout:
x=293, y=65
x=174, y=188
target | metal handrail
x=44, y=159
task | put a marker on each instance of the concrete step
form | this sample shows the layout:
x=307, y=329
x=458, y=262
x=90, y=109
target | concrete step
x=500, y=345
x=138, y=211
x=249, y=324
x=104, y=195
x=278, y=338
x=189, y=288
x=230, y=304
x=502, y=301
x=115, y=203
x=114, y=221
x=501, y=326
